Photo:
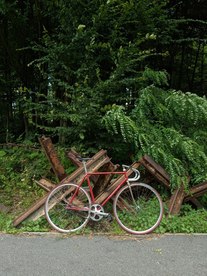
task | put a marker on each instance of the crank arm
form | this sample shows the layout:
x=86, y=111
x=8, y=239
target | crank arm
x=100, y=213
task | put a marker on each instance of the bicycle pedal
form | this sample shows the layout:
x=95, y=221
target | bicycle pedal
x=109, y=218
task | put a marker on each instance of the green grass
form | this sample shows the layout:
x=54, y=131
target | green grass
x=193, y=221
x=189, y=221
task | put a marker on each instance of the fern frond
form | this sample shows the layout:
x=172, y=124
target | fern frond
x=171, y=127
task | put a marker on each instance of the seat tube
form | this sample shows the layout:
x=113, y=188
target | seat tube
x=84, y=166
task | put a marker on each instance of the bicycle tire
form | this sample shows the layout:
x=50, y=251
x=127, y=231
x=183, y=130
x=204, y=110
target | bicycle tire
x=65, y=217
x=140, y=215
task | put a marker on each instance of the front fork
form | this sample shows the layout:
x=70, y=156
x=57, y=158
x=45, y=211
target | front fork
x=130, y=189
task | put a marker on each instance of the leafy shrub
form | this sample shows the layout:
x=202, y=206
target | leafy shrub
x=168, y=125
x=5, y=222
x=19, y=166
x=189, y=221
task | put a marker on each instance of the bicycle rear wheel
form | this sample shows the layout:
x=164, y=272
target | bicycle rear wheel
x=63, y=213
x=138, y=208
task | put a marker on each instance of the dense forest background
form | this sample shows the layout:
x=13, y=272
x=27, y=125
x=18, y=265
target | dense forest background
x=65, y=64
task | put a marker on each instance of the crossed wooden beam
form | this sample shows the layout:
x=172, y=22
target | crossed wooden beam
x=103, y=185
x=179, y=195
x=99, y=161
x=37, y=209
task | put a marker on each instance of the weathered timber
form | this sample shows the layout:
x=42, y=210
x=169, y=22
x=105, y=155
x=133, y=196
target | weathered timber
x=100, y=198
x=37, y=205
x=72, y=155
x=104, y=180
x=37, y=209
x=156, y=170
x=51, y=154
x=45, y=184
x=100, y=181
x=64, y=197
x=176, y=201
x=195, y=202
x=103, y=184
x=178, y=196
x=123, y=204
x=197, y=190
x=93, y=165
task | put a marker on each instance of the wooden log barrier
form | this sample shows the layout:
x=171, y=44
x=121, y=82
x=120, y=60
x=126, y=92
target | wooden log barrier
x=37, y=209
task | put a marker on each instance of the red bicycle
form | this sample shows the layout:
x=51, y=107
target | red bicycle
x=137, y=207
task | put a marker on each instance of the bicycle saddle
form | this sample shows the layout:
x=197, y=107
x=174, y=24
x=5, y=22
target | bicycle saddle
x=83, y=159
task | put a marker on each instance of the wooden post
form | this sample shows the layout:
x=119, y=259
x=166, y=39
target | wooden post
x=51, y=154
x=176, y=201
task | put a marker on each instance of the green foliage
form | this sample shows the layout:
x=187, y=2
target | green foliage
x=19, y=165
x=59, y=73
x=74, y=119
x=5, y=222
x=158, y=78
x=6, y=225
x=189, y=221
x=40, y=225
x=164, y=125
x=88, y=61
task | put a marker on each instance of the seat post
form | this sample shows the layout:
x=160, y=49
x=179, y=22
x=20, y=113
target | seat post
x=84, y=165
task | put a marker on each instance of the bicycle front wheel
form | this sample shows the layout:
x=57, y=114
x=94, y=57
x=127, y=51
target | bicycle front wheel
x=67, y=208
x=138, y=208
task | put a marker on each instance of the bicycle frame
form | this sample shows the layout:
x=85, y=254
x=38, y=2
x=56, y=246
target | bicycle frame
x=87, y=179
x=77, y=205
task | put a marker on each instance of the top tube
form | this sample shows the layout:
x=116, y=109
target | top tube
x=125, y=168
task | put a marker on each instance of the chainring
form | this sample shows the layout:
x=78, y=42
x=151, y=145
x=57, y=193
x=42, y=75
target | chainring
x=95, y=213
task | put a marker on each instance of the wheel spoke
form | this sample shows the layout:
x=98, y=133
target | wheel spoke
x=67, y=208
x=138, y=208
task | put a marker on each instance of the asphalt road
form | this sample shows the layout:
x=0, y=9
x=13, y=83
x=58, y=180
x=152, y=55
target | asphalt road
x=101, y=255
